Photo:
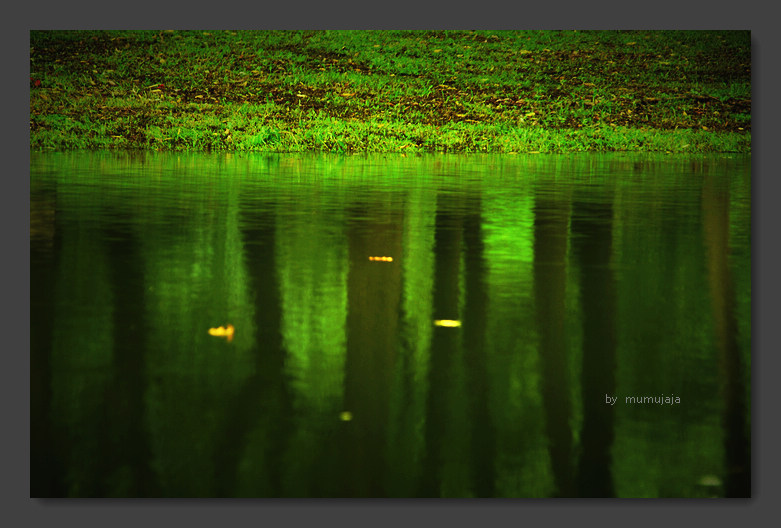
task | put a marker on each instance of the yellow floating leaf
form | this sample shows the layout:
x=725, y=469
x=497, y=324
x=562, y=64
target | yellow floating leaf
x=222, y=331
x=449, y=323
x=382, y=259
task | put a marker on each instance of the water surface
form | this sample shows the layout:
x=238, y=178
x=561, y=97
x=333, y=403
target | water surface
x=598, y=341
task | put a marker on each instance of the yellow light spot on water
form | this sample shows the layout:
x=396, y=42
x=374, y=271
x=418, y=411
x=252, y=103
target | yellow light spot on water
x=346, y=416
x=223, y=331
x=447, y=323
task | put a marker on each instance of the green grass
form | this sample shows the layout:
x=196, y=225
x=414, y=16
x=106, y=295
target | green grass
x=391, y=91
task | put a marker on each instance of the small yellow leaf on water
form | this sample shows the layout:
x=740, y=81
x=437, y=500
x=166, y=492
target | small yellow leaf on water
x=382, y=259
x=449, y=323
x=346, y=416
x=222, y=331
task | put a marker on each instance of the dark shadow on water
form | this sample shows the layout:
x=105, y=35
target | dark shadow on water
x=551, y=219
x=127, y=450
x=482, y=434
x=444, y=341
x=373, y=304
x=592, y=232
x=46, y=471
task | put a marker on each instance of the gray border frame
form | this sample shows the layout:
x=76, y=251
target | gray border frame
x=403, y=14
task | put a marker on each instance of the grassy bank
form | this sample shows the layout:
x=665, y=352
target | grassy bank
x=389, y=91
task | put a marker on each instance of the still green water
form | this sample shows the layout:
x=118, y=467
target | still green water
x=599, y=341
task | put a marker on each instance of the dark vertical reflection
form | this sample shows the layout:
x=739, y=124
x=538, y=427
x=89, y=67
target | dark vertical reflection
x=444, y=341
x=45, y=462
x=373, y=307
x=128, y=451
x=592, y=232
x=482, y=429
x=551, y=218
x=264, y=396
x=715, y=204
